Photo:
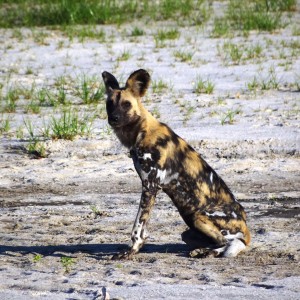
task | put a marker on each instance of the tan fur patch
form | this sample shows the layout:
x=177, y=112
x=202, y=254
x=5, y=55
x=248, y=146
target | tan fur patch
x=135, y=109
x=192, y=163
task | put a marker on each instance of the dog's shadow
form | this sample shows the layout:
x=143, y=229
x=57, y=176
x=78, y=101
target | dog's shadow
x=98, y=251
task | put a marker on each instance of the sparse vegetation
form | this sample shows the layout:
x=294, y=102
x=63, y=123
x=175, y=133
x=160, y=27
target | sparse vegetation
x=67, y=12
x=252, y=15
x=268, y=82
x=37, y=258
x=165, y=34
x=90, y=90
x=136, y=31
x=124, y=55
x=237, y=53
x=70, y=124
x=203, y=86
x=158, y=86
x=35, y=147
x=4, y=124
x=67, y=263
x=183, y=56
x=229, y=116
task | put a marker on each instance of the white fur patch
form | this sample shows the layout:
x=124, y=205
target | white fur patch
x=211, y=177
x=147, y=155
x=161, y=174
x=234, y=214
x=137, y=235
x=216, y=214
x=234, y=248
x=166, y=176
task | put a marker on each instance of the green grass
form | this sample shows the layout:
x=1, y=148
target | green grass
x=164, y=35
x=261, y=15
x=232, y=52
x=4, y=124
x=67, y=263
x=204, y=86
x=229, y=116
x=235, y=54
x=70, y=125
x=30, y=13
x=90, y=90
x=45, y=97
x=84, y=32
x=124, y=55
x=34, y=147
x=136, y=31
x=37, y=258
x=183, y=56
x=159, y=86
x=268, y=82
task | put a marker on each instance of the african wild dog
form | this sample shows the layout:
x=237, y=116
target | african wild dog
x=165, y=161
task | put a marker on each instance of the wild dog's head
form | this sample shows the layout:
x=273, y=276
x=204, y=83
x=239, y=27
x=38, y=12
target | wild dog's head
x=123, y=105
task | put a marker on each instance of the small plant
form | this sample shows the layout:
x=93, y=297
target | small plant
x=254, y=51
x=34, y=147
x=183, y=56
x=220, y=28
x=124, y=56
x=253, y=85
x=11, y=97
x=4, y=124
x=90, y=91
x=164, y=35
x=171, y=34
x=46, y=98
x=61, y=95
x=204, y=86
x=37, y=258
x=33, y=107
x=267, y=83
x=136, y=31
x=232, y=52
x=229, y=117
x=188, y=111
x=97, y=212
x=20, y=133
x=158, y=86
x=67, y=263
x=70, y=125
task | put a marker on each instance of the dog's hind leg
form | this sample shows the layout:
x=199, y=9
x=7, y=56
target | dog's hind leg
x=208, y=240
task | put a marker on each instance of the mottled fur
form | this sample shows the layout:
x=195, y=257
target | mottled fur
x=164, y=161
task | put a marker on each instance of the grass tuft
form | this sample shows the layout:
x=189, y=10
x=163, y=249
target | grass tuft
x=70, y=125
x=204, y=86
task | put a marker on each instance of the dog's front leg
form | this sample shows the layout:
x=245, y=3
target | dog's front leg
x=138, y=234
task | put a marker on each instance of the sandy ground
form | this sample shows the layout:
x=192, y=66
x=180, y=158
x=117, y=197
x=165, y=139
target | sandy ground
x=80, y=202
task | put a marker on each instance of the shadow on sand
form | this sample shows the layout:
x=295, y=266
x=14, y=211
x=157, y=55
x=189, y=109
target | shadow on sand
x=98, y=250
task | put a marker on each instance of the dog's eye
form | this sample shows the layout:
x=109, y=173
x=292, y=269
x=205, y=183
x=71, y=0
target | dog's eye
x=126, y=104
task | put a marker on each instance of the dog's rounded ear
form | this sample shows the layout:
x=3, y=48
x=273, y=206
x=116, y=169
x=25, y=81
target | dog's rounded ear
x=111, y=83
x=138, y=82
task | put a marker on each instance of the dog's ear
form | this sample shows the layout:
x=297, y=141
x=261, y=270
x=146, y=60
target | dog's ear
x=111, y=83
x=138, y=82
